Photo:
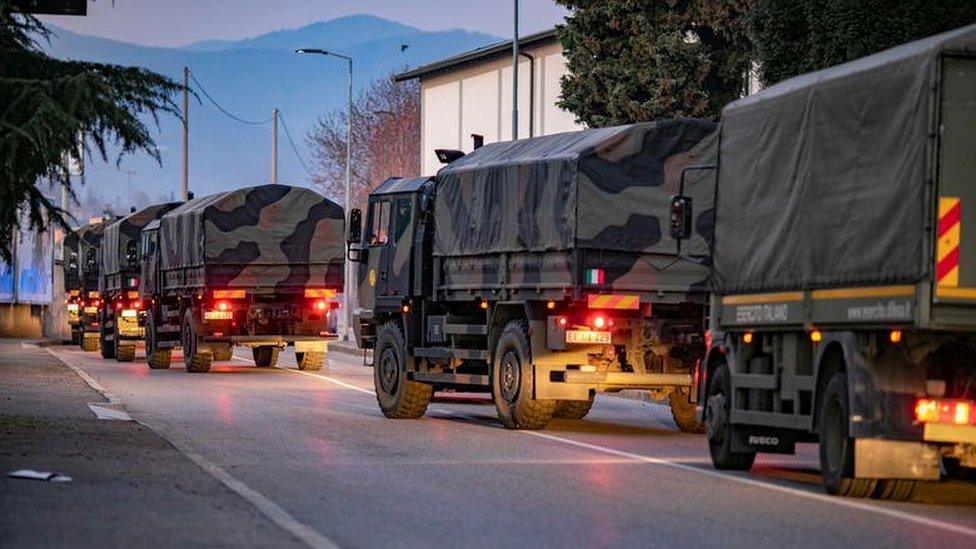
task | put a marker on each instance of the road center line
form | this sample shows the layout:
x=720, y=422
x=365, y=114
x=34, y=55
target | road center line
x=823, y=498
x=271, y=510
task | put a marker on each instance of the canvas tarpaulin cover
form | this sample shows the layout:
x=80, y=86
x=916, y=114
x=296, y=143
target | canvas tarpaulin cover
x=606, y=188
x=119, y=235
x=823, y=176
x=245, y=232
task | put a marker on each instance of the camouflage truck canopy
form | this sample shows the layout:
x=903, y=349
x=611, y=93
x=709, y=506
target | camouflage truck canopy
x=268, y=235
x=824, y=176
x=120, y=242
x=606, y=189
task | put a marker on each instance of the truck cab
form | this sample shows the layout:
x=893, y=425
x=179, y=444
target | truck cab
x=391, y=253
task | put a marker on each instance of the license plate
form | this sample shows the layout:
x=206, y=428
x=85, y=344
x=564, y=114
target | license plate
x=72, y=307
x=128, y=313
x=91, y=310
x=588, y=336
x=218, y=315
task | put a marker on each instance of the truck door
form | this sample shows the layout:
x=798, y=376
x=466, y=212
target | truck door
x=397, y=260
x=373, y=280
x=149, y=275
x=955, y=250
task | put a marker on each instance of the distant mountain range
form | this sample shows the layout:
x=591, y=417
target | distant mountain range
x=250, y=77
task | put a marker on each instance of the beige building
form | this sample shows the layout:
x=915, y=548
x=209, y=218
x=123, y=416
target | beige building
x=471, y=94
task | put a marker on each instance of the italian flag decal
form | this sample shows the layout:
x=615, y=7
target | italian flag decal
x=595, y=276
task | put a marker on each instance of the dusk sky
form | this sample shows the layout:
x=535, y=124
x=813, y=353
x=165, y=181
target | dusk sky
x=179, y=22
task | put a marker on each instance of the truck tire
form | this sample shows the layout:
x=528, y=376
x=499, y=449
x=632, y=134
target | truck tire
x=572, y=409
x=223, y=354
x=158, y=359
x=107, y=348
x=89, y=343
x=310, y=360
x=684, y=413
x=124, y=352
x=397, y=396
x=895, y=489
x=513, y=379
x=836, y=447
x=265, y=356
x=720, y=430
x=197, y=360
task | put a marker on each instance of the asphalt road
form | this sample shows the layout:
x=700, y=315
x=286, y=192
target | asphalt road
x=313, y=453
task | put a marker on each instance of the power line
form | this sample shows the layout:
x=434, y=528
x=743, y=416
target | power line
x=222, y=109
x=292, y=143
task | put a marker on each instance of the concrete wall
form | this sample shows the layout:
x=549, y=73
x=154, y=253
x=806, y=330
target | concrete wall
x=477, y=99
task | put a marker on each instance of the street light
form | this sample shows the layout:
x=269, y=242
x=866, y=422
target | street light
x=347, y=277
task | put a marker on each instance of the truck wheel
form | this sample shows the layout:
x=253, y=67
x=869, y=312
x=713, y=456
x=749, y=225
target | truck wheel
x=123, y=352
x=720, y=430
x=197, y=361
x=158, y=359
x=265, y=356
x=398, y=397
x=836, y=447
x=108, y=349
x=310, y=360
x=684, y=413
x=88, y=343
x=512, y=381
x=572, y=409
x=223, y=354
x=894, y=489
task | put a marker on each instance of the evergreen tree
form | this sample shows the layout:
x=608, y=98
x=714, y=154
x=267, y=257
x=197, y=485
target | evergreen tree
x=798, y=37
x=45, y=103
x=638, y=60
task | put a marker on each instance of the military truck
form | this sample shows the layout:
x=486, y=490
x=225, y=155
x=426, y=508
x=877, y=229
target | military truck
x=845, y=271
x=259, y=267
x=121, y=315
x=541, y=271
x=89, y=248
x=72, y=284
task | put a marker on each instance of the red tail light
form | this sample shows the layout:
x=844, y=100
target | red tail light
x=562, y=321
x=321, y=305
x=951, y=412
x=599, y=322
x=137, y=305
x=223, y=306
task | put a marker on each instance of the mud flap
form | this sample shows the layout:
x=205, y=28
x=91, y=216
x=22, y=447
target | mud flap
x=896, y=459
x=311, y=346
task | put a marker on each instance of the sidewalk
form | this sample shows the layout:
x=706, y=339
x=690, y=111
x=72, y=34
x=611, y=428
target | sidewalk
x=129, y=487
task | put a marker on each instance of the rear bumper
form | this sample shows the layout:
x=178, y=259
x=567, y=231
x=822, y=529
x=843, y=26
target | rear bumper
x=268, y=339
x=952, y=434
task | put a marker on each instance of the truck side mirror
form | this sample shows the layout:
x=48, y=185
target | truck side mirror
x=681, y=213
x=355, y=233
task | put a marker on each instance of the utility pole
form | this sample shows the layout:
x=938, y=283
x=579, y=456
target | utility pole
x=515, y=75
x=185, y=187
x=274, y=145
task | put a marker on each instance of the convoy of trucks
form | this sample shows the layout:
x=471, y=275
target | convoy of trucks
x=803, y=272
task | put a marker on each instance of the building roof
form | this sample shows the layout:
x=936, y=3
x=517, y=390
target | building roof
x=479, y=55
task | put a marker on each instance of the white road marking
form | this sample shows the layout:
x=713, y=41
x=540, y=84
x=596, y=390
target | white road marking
x=682, y=464
x=110, y=412
x=265, y=506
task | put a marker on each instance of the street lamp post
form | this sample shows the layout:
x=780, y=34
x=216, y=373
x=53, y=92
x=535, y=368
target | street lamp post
x=347, y=277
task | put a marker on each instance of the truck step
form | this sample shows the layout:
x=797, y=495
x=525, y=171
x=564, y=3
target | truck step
x=465, y=329
x=453, y=379
x=445, y=353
